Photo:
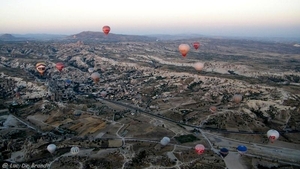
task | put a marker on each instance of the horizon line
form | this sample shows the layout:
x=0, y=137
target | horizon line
x=158, y=34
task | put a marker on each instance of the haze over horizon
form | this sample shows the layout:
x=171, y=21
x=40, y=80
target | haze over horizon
x=268, y=18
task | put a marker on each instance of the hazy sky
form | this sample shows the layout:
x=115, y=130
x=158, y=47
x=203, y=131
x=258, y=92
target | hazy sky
x=276, y=18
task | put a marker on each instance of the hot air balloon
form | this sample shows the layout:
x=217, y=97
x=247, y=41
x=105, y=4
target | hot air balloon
x=59, y=66
x=95, y=76
x=242, y=149
x=164, y=141
x=17, y=92
x=103, y=93
x=51, y=148
x=224, y=152
x=273, y=135
x=17, y=95
x=198, y=66
x=199, y=149
x=106, y=29
x=68, y=81
x=40, y=67
x=213, y=109
x=237, y=98
x=196, y=45
x=74, y=150
x=77, y=112
x=16, y=89
x=184, y=49
x=91, y=70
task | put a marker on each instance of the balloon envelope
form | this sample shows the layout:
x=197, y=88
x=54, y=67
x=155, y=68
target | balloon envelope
x=59, y=66
x=16, y=89
x=51, y=148
x=224, y=152
x=213, y=109
x=199, y=148
x=106, y=29
x=74, y=150
x=199, y=66
x=273, y=135
x=196, y=45
x=77, y=112
x=184, y=49
x=237, y=98
x=103, y=93
x=68, y=81
x=164, y=141
x=40, y=67
x=242, y=149
x=91, y=70
x=95, y=76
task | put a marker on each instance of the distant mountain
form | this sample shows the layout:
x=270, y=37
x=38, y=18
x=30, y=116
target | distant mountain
x=42, y=37
x=29, y=37
x=194, y=36
x=99, y=36
x=176, y=36
x=8, y=37
x=276, y=39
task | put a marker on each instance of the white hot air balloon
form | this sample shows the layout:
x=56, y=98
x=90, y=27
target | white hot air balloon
x=199, y=66
x=91, y=70
x=273, y=135
x=164, y=141
x=74, y=150
x=103, y=93
x=237, y=98
x=51, y=148
x=95, y=76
